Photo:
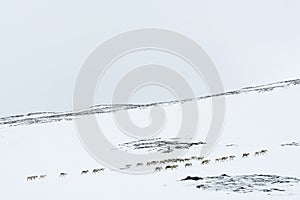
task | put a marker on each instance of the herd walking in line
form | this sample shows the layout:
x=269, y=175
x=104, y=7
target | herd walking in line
x=187, y=161
x=64, y=174
x=31, y=178
x=170, y=164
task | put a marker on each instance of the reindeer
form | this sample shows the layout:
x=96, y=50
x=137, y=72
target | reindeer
x=152, y=163
x=231, y=157
x=174, y=167
x=139, y=164
x=194, y=157
x=188, y=165
x=43, y=176
x=95, y=171
x=157, y=169
x=128, y=165
x=63, y=174
x=155, y=162
x=257, y=153
x=168, y=167
x=245, y=155
x=263, y=151
x=224, y=158
x=162, y=162
x=218, y=160
x=200, y=158
x=84, y=172
x=205, y=162
x=30, y=178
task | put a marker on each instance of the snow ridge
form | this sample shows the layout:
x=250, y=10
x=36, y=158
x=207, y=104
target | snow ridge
x=49, y=117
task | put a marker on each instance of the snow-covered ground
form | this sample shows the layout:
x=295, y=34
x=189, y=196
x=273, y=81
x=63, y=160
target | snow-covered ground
x=252, y=124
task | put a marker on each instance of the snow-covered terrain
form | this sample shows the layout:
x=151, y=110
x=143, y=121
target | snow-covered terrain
x=47, y=144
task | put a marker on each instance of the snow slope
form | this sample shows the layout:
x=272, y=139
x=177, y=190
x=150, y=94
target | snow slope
x=252, y=124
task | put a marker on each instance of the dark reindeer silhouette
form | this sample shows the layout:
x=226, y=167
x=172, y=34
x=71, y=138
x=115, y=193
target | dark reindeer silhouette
x=31, y=178
x=188, y=165
x=128, y=166
x=231, y=157
x=43, y=176
x=63, y=174
x=95, y=171
x=84, y=172
x=245, y=155
x=171, y=167
x=224, y=158
x=205, y=162
x=262, y=152
x=157, y=169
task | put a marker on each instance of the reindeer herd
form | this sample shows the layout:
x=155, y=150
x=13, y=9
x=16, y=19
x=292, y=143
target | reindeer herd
x=31, y=178
x=64, y=174
x=168, y=164
x=172, y=163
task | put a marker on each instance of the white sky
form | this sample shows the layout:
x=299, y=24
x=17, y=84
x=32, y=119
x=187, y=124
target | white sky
x=43, y=43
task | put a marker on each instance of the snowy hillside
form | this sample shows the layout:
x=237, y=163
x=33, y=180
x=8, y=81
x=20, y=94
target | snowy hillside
x=34, y=156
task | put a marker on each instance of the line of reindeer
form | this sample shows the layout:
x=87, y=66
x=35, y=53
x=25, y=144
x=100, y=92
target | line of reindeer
x=64, y=174
x=203, y=162
x=166, y=161
x=31, y=178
